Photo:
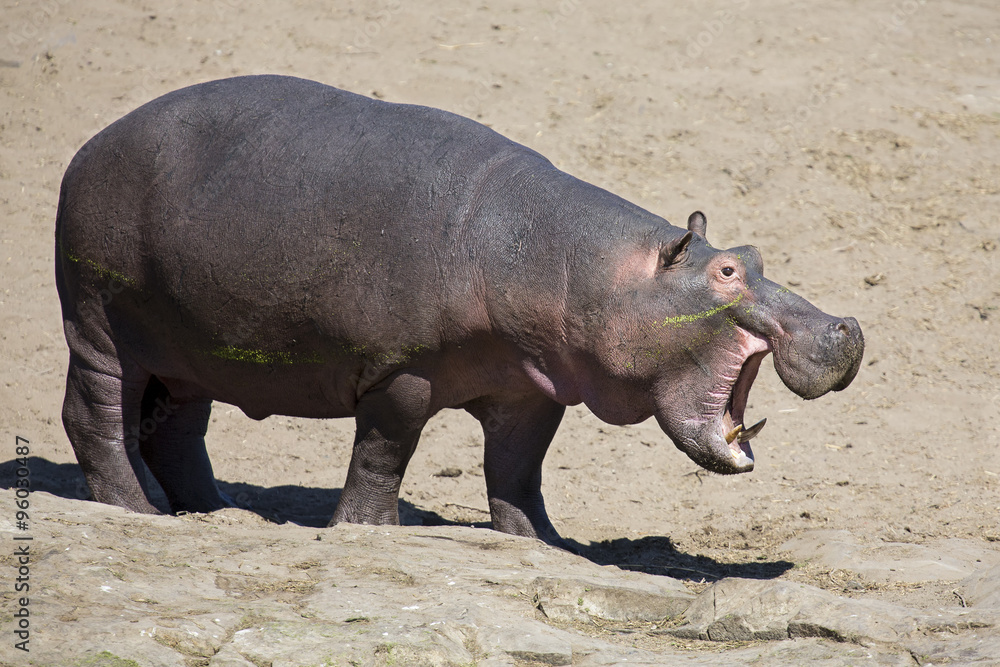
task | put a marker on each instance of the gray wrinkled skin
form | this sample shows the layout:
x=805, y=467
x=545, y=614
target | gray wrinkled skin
x=294, y=249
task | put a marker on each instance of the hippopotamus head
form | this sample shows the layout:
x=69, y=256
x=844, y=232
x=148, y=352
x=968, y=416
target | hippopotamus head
x=689, y=325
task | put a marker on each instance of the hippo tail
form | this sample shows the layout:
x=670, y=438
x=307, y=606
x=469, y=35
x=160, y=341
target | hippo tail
x=61, y=287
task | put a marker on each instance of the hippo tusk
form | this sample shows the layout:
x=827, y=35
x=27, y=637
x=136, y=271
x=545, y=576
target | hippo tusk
x=732, y=435
x=746, y=434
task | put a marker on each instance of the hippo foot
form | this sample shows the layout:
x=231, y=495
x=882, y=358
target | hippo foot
x=135, y=501
x=352, y=509
x=529, y=522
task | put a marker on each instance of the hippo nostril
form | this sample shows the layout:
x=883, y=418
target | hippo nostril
x=844, y=329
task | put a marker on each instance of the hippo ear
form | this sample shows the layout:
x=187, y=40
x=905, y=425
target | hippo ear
x=672, y=250
x=697, y=223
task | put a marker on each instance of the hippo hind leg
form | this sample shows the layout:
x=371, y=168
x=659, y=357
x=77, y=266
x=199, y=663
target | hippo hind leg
x=102, y=401
x=173, y=446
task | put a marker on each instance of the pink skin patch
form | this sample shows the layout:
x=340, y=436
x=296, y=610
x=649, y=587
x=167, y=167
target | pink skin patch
x=734, y=380
x=637, y=266
x=566, y=393
x=751, y=353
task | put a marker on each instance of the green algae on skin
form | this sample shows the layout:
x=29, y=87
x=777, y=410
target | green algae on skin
x=104, y=273
x=659, y=354
x=405, y=354
x=263, y=357
x=233, y=353
x=687, y=319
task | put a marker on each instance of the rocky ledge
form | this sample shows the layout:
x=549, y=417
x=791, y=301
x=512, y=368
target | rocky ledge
x=231, y=590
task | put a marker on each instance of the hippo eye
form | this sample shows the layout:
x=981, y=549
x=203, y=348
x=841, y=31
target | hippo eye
x=728, y=271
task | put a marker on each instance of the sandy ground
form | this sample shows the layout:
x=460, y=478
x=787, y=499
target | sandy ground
x=856, y=144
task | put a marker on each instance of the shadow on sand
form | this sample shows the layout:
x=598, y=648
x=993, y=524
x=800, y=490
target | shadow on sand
x=312, y=506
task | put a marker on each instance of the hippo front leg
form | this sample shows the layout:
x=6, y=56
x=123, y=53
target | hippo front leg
x=517, y=435
x=389, y=419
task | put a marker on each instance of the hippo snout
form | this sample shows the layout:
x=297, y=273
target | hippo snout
x=821, y=358
x=844, y=341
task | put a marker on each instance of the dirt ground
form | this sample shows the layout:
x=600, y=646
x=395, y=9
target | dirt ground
x=857, y=145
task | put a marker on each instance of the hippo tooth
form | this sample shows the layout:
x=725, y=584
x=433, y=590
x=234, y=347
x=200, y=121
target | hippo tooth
x=732, y=435
x=746, y=434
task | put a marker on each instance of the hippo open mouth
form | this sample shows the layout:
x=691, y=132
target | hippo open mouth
x=710, y=429
x=736, y=435
x=731, y=439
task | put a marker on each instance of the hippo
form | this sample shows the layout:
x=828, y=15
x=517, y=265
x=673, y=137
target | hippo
x=294, y=249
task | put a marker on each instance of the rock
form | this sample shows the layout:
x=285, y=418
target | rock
x=540, y=645
x=228, y=656
x=824, y=653
x=198, y=636
x=982, y=589
x=230, y=590
x=748, y=609
x=579, y=599
x=293, y=643
x=974, y=649
x=949, y=559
